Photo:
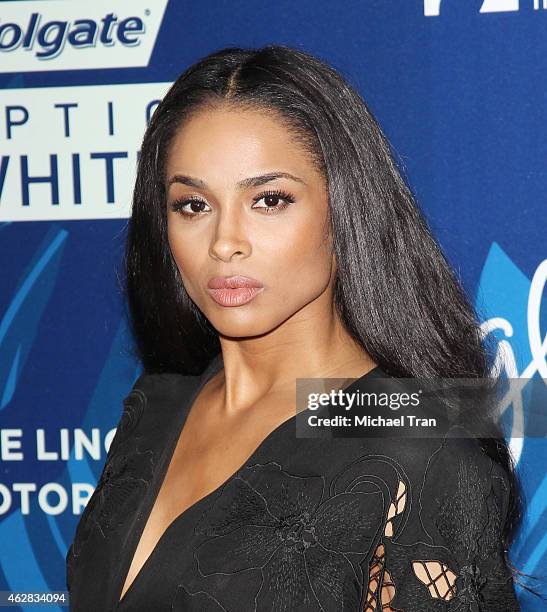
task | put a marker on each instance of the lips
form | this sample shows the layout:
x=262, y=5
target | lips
x=233, y=282
x=233, y=290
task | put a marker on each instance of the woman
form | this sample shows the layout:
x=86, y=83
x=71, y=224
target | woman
x=272, y=237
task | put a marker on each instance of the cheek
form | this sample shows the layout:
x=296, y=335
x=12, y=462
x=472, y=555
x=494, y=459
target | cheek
x=185, y=253
x=302, y=260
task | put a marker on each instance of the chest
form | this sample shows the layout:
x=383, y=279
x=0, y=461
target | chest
x=210, y=449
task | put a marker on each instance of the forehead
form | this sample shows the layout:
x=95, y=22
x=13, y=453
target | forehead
x=235, y=142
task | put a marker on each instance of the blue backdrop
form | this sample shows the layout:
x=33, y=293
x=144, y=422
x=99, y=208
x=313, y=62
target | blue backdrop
x=459, y=88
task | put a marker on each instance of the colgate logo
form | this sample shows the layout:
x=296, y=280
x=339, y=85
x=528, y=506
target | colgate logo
x=78, y=34
x=52, y=36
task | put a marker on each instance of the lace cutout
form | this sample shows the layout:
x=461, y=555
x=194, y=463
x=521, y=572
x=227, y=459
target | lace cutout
x=378, y=574
x=379, y=577
x=395, y=508
x=471, y=508
x=437, y=577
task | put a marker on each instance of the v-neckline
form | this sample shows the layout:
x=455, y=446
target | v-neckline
x=152, y=496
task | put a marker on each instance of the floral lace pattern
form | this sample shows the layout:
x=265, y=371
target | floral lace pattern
x=349, y=549
x=464, y=515
x=126, y=475
x=282, y=525
x=414, y=528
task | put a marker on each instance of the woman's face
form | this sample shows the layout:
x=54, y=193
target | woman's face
x=224, y=221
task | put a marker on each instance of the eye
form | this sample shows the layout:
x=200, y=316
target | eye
x=196, y=207
x=272, y=200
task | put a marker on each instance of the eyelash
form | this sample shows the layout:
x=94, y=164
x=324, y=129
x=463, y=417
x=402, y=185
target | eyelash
x=287, y=198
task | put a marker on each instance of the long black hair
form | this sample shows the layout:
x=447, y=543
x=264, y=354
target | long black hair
x=395, y=292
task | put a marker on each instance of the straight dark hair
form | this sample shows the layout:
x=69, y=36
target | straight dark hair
x=395, y=292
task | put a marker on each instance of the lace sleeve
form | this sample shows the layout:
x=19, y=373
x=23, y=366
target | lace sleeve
x=445, y=552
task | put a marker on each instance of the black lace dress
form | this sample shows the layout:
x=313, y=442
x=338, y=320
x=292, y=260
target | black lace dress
x=306, y=524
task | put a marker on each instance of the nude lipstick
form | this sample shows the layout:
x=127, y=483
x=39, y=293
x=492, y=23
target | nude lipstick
x=233, y=290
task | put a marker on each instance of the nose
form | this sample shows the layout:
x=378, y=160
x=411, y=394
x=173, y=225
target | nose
x=229, y=237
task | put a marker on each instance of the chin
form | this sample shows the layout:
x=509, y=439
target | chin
x=244, y=328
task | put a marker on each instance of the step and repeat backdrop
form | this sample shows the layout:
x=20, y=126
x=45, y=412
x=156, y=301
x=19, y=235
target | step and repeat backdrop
x=458, y=86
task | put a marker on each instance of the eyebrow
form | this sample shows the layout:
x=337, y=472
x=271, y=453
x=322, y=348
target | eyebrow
x=253, y=181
